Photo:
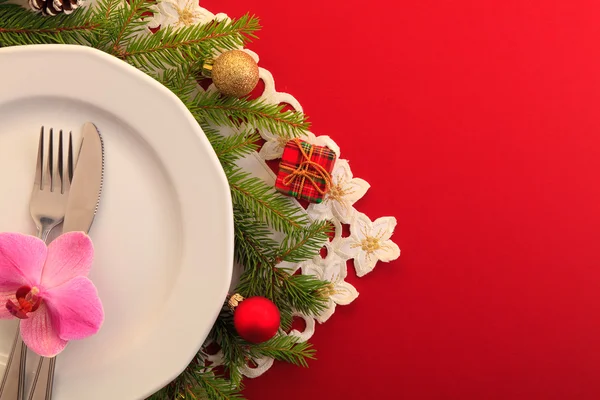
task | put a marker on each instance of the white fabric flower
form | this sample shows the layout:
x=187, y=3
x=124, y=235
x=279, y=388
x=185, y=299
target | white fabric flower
x=274, y=144
x=369, y=242
x=179, y=13
x=333, y=269
x=344, y=192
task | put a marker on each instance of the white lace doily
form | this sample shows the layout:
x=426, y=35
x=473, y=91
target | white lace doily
x=369, y=241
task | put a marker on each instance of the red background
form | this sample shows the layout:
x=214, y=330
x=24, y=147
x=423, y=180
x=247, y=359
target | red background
x=483, y=123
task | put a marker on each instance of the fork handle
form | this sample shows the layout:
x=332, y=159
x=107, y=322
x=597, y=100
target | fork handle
x=44, y=229
x=13, y=381
x=41, y=388
x=44, y=379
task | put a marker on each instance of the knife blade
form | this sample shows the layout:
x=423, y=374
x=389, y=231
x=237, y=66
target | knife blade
x=82, y=205
x=86, y=186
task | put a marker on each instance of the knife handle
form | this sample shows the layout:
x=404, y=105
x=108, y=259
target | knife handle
x=13, y=381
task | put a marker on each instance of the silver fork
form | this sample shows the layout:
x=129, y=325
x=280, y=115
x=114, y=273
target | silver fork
x=48, y=201
x=47, y=206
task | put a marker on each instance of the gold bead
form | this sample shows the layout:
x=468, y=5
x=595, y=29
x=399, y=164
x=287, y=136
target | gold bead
x=235, y=73
x=234, y=301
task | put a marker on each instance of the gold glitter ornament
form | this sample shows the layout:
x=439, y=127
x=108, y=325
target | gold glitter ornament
x=234, y=73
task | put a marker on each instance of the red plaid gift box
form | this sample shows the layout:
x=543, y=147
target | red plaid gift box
x=305, y=170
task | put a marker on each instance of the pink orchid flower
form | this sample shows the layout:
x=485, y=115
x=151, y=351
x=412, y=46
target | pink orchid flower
x=48, y=289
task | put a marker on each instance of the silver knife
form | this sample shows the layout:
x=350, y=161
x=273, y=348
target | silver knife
x=86, y=186
x=82, y=206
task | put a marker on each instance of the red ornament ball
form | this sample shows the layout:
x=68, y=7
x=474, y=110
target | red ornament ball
x=256, y=319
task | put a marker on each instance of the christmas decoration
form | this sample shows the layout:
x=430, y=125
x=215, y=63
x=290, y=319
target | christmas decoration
x=369, y=242
x=256, y=319
x=55, y=7
x=345, y=191
x=305, y=171
x=333, y=269
x=61, y=293
x=187, y=33
x=179, y=13
x=234, y=73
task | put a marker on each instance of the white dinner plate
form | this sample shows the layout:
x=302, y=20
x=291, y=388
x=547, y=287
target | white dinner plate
x=163, y=235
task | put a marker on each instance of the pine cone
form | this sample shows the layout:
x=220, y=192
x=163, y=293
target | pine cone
x=55, y=7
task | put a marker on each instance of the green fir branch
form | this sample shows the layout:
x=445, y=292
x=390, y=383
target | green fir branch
x=19, y=26
x=255, y=246
x=298, y=248
x=198, y=382
x=259, y=254
x=237, y=352
x=235, y=349
x=287, y=349
x=232, y=112
x=125, y=21
x=286, y=313
x=305, y=293
x=216, y=388
x=171, y=47
x=229, y=149
x=261, y=282
x=181, y=81
x=265, y=203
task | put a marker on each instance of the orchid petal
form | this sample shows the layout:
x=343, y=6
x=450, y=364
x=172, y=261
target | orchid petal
x=21, y=261
x=40, y=335
x=70, y=255
x=4, y=297
x=76, y=308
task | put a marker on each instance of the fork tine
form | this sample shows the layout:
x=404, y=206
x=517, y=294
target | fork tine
x=40, y=161
x=60, y=168
x=70, y=158
x=54, y=178
x=66, y=165
x=47, y=162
